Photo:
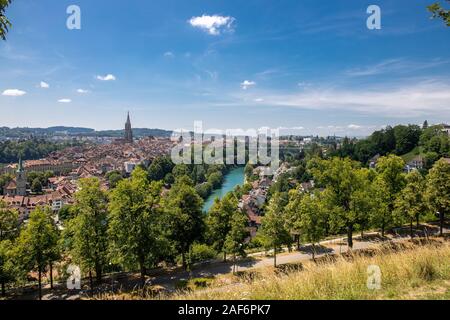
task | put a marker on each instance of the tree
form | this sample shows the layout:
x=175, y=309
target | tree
x=311, y=220
x=184, y=217
x=218, y=222
x=36, y=186
x=6, y=264
x=134, y=223
x=389, y=182
x=273, y=227
x=114, y=177
x=9, y=222
x=439, y=12
x=342, y=181
x=38, y=243
x=5, y=24
x=410, y=203
x=89, y=228
x=235, y=239
x=438, y=190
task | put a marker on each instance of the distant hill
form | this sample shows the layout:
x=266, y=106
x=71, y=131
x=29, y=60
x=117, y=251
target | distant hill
x=6, y=132
x=137, y=132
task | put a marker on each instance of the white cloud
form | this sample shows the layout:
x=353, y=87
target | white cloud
x=82, y=91
x=13, y=93
x=406, y=100
x=44, y=85
x=354, y=126
x=212, y=24
x=108, y=77
x=247, y=84
x=64, y=100
x=169, y=54
x=397, y=65
x=259, y=100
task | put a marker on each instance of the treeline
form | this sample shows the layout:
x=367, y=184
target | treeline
x=350, y=198
x=206, y=177
x=397, y=140
x=134, y=227
x=31, y=149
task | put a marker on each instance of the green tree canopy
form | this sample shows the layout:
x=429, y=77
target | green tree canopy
x=134, y=223
x=37, y=245
x=88, y=229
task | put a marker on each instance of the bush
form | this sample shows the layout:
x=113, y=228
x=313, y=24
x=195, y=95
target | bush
x=202, y=252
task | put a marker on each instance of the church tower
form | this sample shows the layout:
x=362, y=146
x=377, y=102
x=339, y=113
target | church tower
x=21, y=180
x=128, y=131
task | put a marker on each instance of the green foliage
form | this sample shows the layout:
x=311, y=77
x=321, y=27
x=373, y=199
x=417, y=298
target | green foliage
x=238, y=233
x=134, y=222
x=410, y=203
x=438, y=189
x=36, y=186
x=440, y=13
x=201, y=252
x=30, y=149
x=7, y=262
x=218, y=221
x=9, y=222
x=113, y=177
x=389, y=182
x=88, y=229
x=37, y=245
x=159, y=168
x=5, y=24
x=183, y=217
x=273, y=229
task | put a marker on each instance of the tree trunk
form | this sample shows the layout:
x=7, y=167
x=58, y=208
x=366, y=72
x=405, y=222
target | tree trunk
x=143, y=272
x=3, y=288
x=314, y=252
x=40, y=283
x=51, y=276
x=441, y=223
x=382, y=229
x=275, y=256
x=234, y=263
x=350, y=236
x=362, y=234
x=298, y=242
x=98, y=273
x=411, y=228
x=183, y=261
x=417, y=221
x=224, y=257
x=91, y=282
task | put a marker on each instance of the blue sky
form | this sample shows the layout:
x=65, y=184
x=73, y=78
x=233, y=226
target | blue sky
x=310, y=66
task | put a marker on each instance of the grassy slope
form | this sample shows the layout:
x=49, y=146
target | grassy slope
x=415, y=273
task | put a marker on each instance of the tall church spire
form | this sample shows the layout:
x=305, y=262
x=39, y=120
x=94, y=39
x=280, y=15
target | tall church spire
x=128, y=131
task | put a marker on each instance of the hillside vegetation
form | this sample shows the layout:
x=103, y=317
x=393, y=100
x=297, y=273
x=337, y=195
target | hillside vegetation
x=408, y=272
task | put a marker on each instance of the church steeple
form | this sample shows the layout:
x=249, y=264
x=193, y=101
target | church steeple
x=128, y=131
x=20, y=166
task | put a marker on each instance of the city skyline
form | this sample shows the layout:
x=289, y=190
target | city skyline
x=305, y=68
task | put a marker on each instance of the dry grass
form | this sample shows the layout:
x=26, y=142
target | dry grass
x=408, y=272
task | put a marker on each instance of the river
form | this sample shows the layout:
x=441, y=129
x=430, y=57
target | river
x=232, y=179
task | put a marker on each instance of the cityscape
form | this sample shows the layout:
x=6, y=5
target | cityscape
x=325, y=174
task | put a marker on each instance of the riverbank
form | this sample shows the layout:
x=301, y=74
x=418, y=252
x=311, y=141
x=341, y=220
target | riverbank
x=232, y=179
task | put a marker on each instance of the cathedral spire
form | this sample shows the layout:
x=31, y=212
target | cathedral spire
x=128, y=131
